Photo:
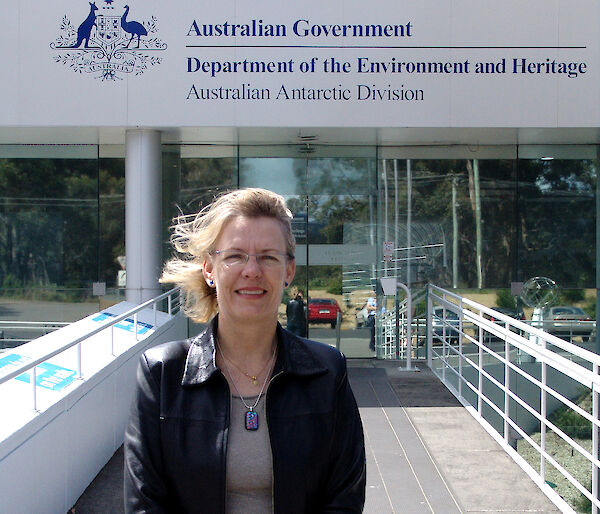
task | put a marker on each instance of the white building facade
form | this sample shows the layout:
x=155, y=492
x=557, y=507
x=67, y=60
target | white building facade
x=464, y=133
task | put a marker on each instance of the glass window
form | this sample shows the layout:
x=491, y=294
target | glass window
x=557, y=220
x=453, y=221
x=205, y=172
x=112, y=221
x=49, y=225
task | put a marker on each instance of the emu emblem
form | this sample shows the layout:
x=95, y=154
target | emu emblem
x=108, y=43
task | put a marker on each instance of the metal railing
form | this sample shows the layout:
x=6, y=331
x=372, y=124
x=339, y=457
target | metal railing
x=27, y=328
x=535, y=393
x=172, y=299
x=386, y=346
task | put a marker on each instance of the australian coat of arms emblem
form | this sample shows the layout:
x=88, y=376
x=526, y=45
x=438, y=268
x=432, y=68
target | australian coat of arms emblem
x=108, y=43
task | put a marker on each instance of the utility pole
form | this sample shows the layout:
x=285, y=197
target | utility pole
x=454, y=233
x=477, y=222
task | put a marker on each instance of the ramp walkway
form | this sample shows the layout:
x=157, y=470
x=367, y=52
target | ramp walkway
x=425, y=453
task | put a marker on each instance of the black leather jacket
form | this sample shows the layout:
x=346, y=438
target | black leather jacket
x=176, y=439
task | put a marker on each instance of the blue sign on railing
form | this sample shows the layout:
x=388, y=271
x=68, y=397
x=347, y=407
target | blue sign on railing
x=126, y=324
x=10, y=362
x=49, y=376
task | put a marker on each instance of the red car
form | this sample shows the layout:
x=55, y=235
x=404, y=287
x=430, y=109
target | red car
x=323, y=310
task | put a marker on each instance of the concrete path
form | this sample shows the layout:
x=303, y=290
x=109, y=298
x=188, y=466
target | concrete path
x=425, y=453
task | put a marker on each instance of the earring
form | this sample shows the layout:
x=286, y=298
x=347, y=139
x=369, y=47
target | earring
x=211, y=283
x=286, y=284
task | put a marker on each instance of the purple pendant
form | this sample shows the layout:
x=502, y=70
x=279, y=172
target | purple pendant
x=251, y=420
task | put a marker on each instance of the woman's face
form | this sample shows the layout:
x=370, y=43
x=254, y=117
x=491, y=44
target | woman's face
x=249, y=292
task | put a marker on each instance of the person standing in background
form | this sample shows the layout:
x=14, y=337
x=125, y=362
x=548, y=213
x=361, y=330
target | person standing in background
x=371, y=310
x=296, y=315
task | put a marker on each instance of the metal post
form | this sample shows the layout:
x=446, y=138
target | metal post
x=478, y=223
x=454, y=234
x=506, y=391
x=429, y=329
x=409, y=366
x=135, y=325
x=79, y=360
x=397, y=327
x=386, y=202
x=480, y=340
x=34, y=387
x=408, y=220
x=338, y=323
x=543, y=414
x=460, y=352
x=595, y=440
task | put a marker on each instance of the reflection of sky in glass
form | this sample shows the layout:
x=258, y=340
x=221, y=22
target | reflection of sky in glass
x=274, y=174
x=286, y=175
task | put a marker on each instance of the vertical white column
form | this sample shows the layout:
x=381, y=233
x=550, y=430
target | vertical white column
x=143, y=193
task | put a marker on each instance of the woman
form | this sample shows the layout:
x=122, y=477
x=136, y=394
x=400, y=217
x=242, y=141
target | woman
x=295, y=312
x=246, y=417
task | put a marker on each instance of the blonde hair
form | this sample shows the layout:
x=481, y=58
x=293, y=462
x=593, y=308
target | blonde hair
x=194, y=237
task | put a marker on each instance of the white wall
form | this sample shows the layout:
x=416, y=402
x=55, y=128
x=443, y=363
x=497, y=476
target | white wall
x=46, y=84
x=47, y=464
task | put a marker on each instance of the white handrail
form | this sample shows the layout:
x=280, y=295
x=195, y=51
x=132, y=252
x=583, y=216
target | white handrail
x=113, y=321
x=469, y=361
x=33, y=324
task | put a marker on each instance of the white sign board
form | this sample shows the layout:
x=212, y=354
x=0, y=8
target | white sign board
x=421, y=63
x=389, y=285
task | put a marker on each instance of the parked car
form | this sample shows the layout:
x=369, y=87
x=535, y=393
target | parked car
x=567, y=321
x=452, y=325
x=513, y=313
x=323, y=310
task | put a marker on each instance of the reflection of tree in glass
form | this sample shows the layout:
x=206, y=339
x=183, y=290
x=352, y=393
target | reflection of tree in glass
x=334, y=213
x=541, y=224
x=340, y=176
x=557, y=219
x=48, y=222
x=112, y=218
x=202, y=179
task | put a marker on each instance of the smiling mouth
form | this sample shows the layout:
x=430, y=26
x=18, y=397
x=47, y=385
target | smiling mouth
x=254, y=292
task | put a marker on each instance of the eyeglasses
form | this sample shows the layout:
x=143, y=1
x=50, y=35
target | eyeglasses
x=233, y=258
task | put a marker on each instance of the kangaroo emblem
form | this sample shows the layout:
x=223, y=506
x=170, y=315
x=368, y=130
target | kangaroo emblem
x=85, y=29
x=132, y=27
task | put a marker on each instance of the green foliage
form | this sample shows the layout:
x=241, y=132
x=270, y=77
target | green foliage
x=49, y=226
x=50, y=293
x=318, y=282
x=590, y=308
x=571, y=296
x=572, y=423
x=335, y=285
x=583, y=504
x=10, y=282
x=504, y=299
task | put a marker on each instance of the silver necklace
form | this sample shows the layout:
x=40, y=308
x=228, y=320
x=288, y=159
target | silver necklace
x=251, y=418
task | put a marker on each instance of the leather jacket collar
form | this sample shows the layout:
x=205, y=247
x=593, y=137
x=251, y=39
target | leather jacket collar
x=292, y=358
